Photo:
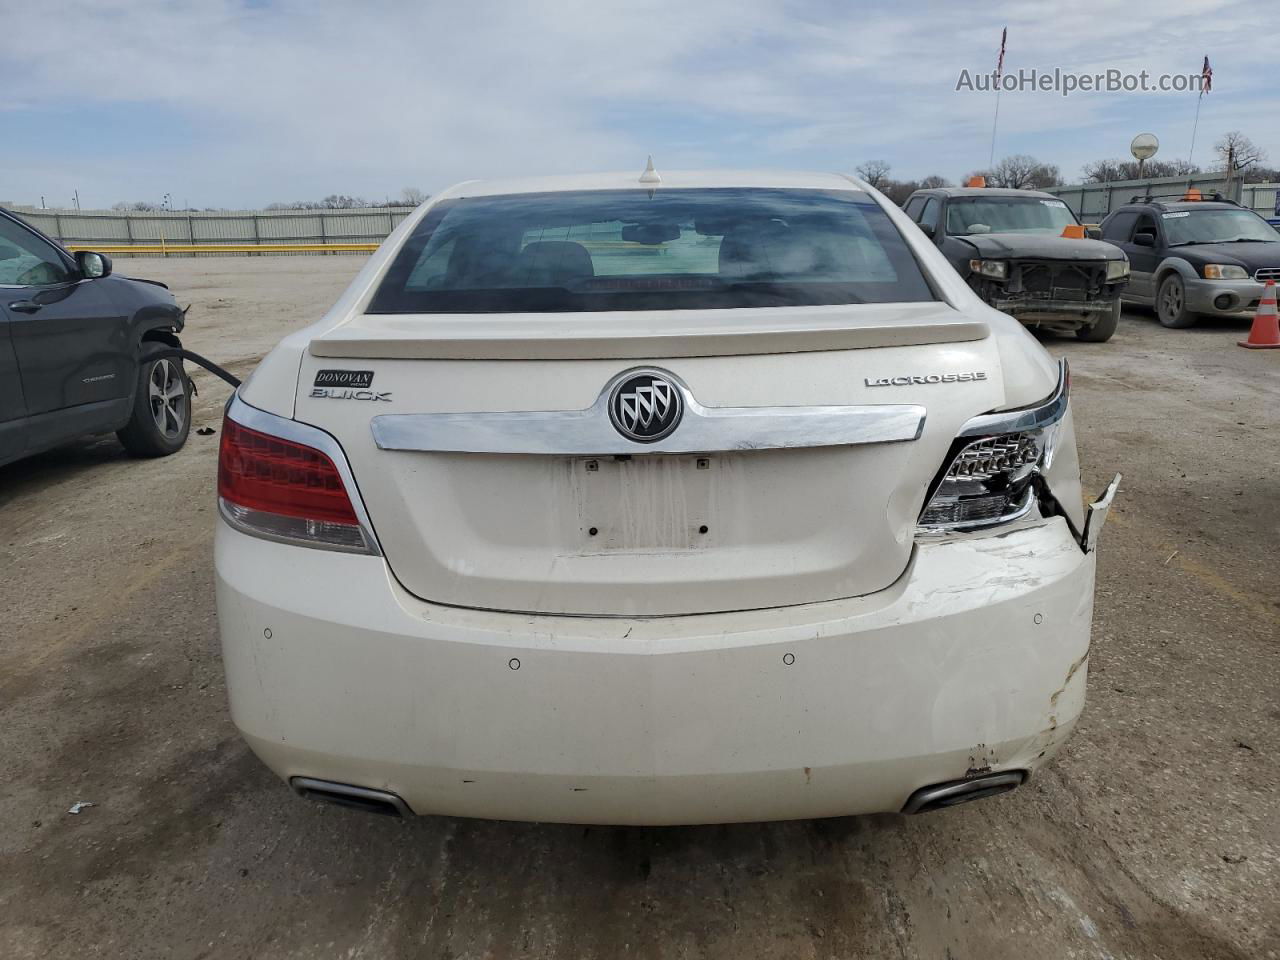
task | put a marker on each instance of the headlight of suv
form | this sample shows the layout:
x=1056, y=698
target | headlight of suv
x=1224, y=271
x=989, y=477
x=1117, y=269
x=998, y=269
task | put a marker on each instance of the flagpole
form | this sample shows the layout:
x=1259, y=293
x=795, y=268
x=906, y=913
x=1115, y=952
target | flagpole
x=999, y=74
x=1206, y=84
x=992, y=161
x=1194, y=127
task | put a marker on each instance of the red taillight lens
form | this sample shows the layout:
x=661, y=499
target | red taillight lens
x=284, y=490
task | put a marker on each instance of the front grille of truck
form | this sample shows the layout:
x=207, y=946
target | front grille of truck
x=1056, y=280
x=1267, y=273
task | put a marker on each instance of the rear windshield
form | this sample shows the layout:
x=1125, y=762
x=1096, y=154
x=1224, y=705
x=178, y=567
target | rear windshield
x=629, y=250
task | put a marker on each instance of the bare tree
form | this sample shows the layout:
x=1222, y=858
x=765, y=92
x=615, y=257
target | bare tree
x=1177, y=168
x=412, y=196
x=1109, y=171
x=1023, y=172
x=1106, y=171
x=340, y=201
x=875, y=172
x=1237, y=152
x=899, y=190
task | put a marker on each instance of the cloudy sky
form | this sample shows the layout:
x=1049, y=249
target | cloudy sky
x=235, y=103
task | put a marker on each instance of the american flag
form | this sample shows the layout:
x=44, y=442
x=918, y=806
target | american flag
x=1206, y=76
x=1004, y=35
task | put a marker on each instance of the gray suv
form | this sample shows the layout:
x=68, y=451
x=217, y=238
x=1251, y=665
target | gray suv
x=1193, y=257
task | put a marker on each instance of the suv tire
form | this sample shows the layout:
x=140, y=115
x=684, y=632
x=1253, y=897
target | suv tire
x=161, y=416
x=1103, y=326
x=1171, y=304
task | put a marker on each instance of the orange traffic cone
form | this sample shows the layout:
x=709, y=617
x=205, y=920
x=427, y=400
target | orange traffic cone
x=1265, y=332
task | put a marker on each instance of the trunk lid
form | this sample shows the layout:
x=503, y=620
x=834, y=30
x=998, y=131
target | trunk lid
x=567, y=531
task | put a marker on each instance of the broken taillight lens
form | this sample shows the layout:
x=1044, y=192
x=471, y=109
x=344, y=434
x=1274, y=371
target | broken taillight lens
x=989, y=477
x=283, y=490
x=988, y=481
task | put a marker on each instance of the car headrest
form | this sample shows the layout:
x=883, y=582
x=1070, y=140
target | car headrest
x=477, y=262
x=752, y=249
x=552, y=263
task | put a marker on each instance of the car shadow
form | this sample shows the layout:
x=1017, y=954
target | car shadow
x=60, y=463
x=1133, y=313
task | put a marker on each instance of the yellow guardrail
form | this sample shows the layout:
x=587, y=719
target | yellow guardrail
x=164, y=249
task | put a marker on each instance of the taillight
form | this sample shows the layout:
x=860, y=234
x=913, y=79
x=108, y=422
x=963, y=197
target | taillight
x=281, y=489
x=989, y=479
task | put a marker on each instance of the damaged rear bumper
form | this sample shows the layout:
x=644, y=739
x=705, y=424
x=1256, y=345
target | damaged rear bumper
x=974, y=662
x=1097, y=516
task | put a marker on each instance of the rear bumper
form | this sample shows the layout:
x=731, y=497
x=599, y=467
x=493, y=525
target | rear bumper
x=1204, y=296
x=974, y=660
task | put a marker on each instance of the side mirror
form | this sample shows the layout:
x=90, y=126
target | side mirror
x=93, y=266
x=928, y=230
x=1145, y=239
x=1093, y=231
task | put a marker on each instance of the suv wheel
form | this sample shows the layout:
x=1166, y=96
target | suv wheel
x=1171, y=303
x=1103, y=326
x=161, y=416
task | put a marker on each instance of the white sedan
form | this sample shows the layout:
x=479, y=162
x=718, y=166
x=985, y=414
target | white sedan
x=683, y=498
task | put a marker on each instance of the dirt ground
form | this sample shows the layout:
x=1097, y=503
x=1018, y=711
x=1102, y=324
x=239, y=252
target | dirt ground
x=1155, y=835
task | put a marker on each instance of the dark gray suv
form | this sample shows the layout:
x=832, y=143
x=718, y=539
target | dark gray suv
x=82, y=351
x=1193, y=257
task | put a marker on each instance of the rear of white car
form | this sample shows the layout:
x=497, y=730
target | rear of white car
x=710, y=499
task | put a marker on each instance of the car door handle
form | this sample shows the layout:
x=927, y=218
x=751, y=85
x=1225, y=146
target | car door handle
x=25, y=306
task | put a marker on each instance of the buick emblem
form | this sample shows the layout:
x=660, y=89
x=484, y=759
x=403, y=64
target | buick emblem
x=645, y=407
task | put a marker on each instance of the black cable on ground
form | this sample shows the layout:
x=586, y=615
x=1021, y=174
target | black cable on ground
x=195, y=358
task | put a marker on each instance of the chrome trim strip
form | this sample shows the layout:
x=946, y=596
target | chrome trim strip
x=255, y=419
x=1036, y=417
x=589, y=432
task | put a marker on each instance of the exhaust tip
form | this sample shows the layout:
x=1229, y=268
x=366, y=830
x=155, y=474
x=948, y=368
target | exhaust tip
x=955, y=792
x=354, y=798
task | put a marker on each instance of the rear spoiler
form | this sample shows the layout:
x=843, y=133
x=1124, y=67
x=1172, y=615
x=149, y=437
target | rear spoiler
x=711, y=333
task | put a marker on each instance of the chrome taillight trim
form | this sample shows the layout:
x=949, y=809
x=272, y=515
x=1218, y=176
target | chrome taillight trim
x=1036, y=417
x=976, y=526
x=286, y=429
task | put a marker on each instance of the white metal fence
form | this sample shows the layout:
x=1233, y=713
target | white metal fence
x=86, y=228
x=112, y=228
x=1093, y=201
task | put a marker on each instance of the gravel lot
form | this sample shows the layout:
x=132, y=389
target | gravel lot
x=1156, y=834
